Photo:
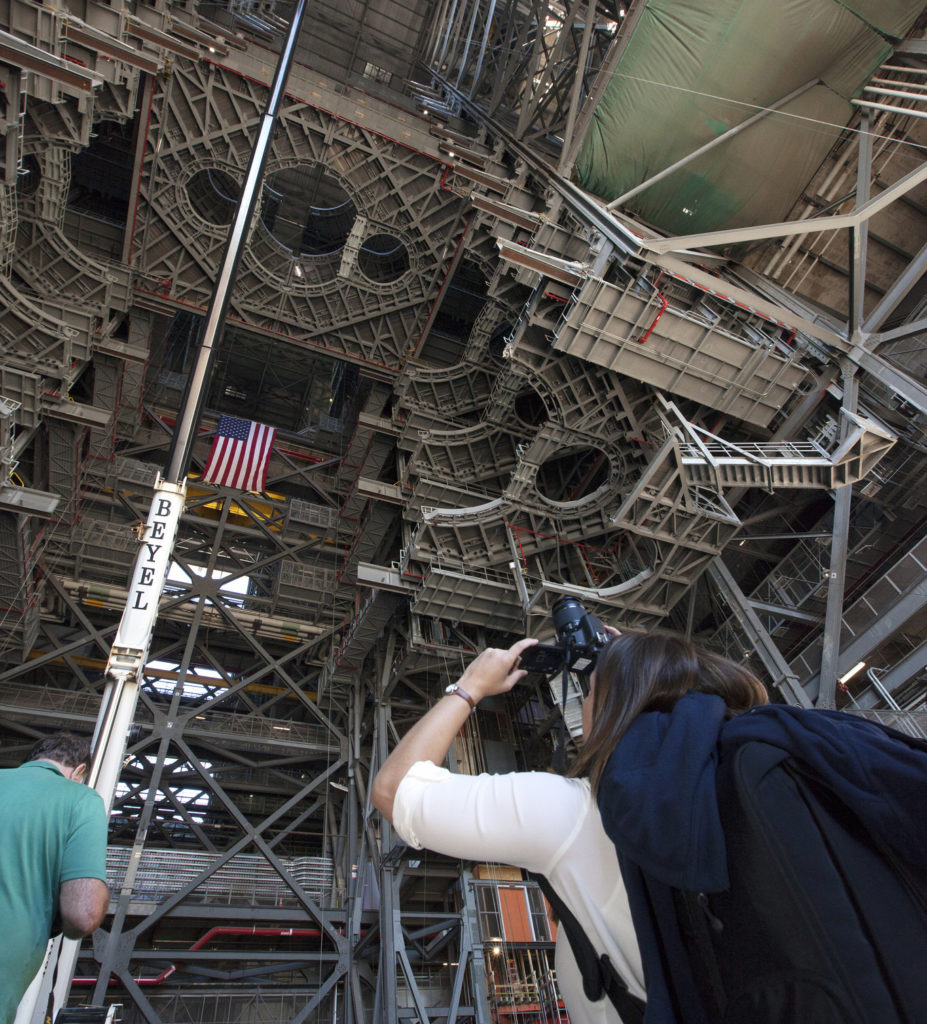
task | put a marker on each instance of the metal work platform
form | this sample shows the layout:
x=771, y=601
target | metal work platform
x=245, y=879
x=470, y=596
x=897, y=597
x=56, y=708
x=777, y=465
x=639, y=332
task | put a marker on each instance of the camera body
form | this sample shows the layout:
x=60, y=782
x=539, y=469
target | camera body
x=580, y=638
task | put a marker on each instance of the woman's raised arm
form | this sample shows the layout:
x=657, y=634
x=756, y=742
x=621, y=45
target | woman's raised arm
x=493, y=671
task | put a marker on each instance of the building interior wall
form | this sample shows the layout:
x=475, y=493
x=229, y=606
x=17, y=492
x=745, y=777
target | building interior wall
x=490, y=386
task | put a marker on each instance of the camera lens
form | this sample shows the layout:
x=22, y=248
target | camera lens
x=566, y=613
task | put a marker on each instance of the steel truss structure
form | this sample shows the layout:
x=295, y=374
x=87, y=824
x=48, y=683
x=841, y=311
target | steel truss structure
x=490, y=389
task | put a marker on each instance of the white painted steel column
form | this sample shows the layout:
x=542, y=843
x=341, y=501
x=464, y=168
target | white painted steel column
x=123, y=672
x=156, y=538
x=129, y=652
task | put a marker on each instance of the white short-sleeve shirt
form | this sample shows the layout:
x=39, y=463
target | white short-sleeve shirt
x=544, y=823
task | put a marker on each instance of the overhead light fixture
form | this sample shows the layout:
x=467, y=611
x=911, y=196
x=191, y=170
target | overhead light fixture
x=858, y=667
x=297, y=270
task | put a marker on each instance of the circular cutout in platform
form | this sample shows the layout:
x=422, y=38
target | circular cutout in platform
x=214, y=195
x=383, y=258
x=29, y=176
x=306, y=210
x=529, y=408
x=572, y=474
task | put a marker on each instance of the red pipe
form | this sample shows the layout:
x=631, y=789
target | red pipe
x=289, y=933
x=656, y=319
x=578, y=489
x=554, y=537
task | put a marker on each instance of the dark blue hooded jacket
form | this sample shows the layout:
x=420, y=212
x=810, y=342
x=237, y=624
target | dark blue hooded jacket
x=659, y=805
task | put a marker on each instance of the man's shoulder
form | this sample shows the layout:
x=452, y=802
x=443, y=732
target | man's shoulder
x=86, y=798
x=43, y=777
x=29, y=775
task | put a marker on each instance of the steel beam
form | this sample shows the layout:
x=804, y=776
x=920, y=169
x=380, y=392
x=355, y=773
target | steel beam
x=896, y=294
x=527, y=98
x=784, y=679
x=385, y=1006
x=736, y=236
x=189, y=414
x=576, y=91
x=905, y=386
x=836, y=577
x=465, y=55
x=100, y=42
x=723, y=137
x=485, y=42
x=18, y=53
x=624, y=240
x=738, y=294
x=144, y=821
x=538, y=93
x=506, y=73
x=785, y=613
x=897, y=676
x=892, y=108
x=891, y=620
x=858, y=238
x=471, y=943
x=904, y=331
x=627, y=26
x=434, y=32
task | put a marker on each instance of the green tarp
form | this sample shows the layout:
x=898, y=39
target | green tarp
x=692, y=69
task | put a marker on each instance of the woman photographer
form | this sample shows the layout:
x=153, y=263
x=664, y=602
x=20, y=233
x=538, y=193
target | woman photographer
x=543, y=822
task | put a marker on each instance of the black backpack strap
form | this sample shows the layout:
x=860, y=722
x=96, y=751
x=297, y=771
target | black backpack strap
x=599, y=975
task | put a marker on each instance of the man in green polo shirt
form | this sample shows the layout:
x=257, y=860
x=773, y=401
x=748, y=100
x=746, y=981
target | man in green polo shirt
x=52, y=859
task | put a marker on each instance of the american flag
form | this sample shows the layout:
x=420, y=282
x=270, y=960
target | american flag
x=240, y=453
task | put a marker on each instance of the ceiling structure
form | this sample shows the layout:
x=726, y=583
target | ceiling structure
x=503, y=365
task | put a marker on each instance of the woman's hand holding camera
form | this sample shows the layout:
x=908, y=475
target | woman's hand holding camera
x=494, y=670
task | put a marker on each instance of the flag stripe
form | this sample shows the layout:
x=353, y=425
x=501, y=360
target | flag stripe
x=240, y=454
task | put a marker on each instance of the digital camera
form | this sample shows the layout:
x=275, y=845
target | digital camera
x=580, y=638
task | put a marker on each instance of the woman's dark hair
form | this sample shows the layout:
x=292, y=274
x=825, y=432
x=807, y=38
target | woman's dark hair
x=63, y=747
x=638, y=672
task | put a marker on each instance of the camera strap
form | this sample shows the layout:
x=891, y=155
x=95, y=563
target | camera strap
x=600, y=978
x=559, y=757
